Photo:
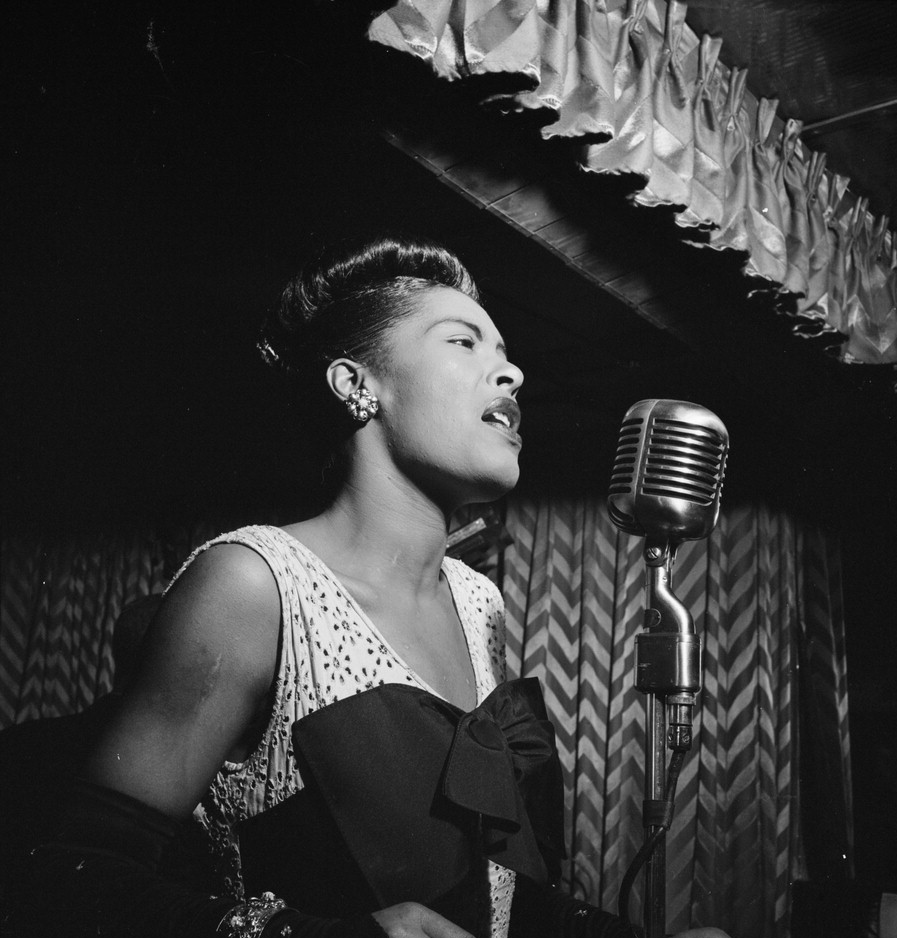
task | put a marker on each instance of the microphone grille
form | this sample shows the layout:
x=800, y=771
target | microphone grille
x=668, y=470
x=622, y=478
x=684, y=460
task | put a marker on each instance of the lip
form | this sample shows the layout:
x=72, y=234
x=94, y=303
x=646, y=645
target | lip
x=509, y=407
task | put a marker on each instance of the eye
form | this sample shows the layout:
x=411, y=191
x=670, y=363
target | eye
x=463, y=340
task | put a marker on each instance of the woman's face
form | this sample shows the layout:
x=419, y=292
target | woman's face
x=447, y=406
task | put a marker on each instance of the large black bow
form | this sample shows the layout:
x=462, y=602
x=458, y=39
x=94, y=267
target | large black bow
x=503, y=765
x=417, y=787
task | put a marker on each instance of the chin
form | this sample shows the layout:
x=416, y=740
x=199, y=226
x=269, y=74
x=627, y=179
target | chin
x=498, y=484
x=464, y=485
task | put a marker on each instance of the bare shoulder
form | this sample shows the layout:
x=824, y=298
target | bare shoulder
x=228, y=567
x=207, y=666
x=226, y=602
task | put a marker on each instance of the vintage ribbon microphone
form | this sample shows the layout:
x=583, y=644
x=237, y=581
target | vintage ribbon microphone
x=665, y=487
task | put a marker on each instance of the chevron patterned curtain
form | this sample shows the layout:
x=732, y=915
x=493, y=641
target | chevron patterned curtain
x=760, y=588
x=62, y=595
x=765, y=595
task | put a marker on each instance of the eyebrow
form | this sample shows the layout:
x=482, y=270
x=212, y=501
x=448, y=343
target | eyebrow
x=475, y=329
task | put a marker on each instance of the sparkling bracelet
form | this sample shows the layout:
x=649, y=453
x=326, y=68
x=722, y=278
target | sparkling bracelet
x=248, y=920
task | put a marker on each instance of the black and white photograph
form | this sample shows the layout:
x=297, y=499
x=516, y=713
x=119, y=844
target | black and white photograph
x=449, y=469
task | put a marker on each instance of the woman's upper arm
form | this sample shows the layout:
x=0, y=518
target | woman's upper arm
x=206, y=667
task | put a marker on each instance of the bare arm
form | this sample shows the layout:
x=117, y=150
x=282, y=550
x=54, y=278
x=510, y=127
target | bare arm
x=203, y=683
x=207, y=669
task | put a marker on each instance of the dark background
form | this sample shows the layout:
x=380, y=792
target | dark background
x=166, y=168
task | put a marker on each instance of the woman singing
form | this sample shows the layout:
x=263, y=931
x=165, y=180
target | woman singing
x=323, y=706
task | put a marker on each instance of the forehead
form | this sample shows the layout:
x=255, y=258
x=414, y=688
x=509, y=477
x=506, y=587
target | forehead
x=443, y=304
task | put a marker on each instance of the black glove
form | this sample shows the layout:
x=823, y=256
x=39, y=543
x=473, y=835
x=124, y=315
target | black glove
x=99, y=874
x=548, y=912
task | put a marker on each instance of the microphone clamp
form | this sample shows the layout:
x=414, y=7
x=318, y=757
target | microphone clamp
x=668, y=651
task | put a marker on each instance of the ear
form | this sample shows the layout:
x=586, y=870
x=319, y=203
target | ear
x=344, y=376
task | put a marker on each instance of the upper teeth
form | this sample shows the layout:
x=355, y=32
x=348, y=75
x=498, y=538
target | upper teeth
x=501, y=418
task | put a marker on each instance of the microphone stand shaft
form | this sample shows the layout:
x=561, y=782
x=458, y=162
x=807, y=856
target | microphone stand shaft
x=655, y=771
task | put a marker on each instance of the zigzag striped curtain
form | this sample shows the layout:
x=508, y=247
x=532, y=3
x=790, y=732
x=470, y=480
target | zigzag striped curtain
x=62, y=595
x=760, y=588
x=765, y=595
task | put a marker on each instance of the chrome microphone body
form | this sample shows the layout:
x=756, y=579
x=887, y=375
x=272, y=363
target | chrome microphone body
x=665, y=487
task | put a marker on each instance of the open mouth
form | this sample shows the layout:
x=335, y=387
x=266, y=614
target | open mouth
x=503, y=412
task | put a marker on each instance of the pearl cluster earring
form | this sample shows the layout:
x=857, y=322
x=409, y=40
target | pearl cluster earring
x=362, y=405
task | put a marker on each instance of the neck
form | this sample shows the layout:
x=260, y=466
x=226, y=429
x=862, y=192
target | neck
x=383, y=530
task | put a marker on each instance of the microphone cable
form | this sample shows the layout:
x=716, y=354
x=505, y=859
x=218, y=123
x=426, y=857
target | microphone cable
x=647, y=848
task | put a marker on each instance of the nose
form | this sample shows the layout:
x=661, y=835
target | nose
x=508, y=376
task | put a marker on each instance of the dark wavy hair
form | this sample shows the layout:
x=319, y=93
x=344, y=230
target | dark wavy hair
x=342, y=304
x=345, y=299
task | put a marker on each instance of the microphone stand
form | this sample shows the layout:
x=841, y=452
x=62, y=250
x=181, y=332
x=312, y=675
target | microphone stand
x=668, y=670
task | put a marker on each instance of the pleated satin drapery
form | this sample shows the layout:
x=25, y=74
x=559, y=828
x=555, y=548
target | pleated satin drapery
x=643, y=95
x=760, y=588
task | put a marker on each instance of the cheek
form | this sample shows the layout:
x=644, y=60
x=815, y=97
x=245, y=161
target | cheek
x=432, y=429
x=449, y=406
x=434, y=393
x=431, y=403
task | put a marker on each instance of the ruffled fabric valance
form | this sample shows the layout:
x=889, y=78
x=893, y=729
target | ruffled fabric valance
x=642, y=94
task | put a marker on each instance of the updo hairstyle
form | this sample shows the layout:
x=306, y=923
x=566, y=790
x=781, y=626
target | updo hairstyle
x=343, y=303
